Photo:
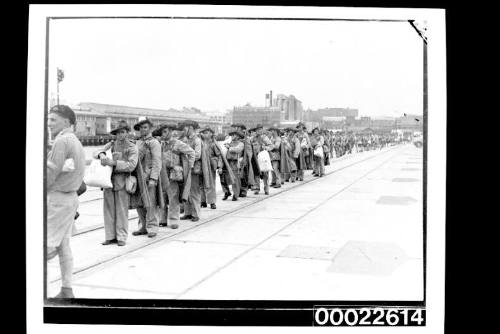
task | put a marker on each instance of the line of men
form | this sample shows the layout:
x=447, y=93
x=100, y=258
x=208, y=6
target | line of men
x=175, y=166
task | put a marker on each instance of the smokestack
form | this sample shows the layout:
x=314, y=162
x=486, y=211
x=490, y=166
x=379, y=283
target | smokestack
x=271, y=99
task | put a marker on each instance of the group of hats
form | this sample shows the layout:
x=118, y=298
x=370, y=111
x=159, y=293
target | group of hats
x=239, y=132
x=157, y=132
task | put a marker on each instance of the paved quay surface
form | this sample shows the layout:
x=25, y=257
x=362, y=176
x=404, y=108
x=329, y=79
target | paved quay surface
x=356, y=233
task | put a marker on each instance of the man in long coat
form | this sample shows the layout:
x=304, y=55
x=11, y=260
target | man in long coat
x=235, y=150
x=275, y=154
x=175, y=175
x=192, y=208
x=260, y=142
x=213, y=151
x=247, y=172
x=305, y=154
x=226, y=175
x=148, y=179
x=317, y=141
x=292, y=145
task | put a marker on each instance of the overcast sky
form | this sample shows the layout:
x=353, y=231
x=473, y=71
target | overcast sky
x=217, y=64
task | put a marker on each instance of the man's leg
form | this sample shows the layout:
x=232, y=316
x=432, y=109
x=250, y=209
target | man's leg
x=236, y=185
x=322, y=167
x=141, y=213
x=152, y=222
x=122, y=199
x=223, y=182
x=276, y=173
x=244, y=182
x=109, y=214
x=193, y=205
x=265, y=180
x=256, y=186
x=203, y=193
x=211, y=197
x=173, y=200
x=66, y=263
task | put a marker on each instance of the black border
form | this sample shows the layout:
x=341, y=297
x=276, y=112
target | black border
x=210, y=312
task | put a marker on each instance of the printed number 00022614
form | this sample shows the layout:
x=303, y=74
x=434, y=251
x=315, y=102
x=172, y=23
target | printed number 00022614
x=327, y=316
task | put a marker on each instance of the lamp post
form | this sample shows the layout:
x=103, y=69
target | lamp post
x=60, y=77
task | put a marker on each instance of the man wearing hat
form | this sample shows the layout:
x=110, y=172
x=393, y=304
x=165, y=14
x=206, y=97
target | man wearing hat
x=214, y=155
x=192, y=207
x=116, y=200
x=304, y=153
x=260, y=142
x=62, y=186
x=317, y=140
x=246, y=168
x=177, y=162
x=275, y=157
x=150, y=165
x=292, y=146
x=234, y=151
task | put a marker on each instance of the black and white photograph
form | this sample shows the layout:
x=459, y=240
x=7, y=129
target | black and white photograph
x=236, y=159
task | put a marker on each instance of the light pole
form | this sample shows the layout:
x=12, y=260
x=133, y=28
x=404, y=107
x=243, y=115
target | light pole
x=60, y=77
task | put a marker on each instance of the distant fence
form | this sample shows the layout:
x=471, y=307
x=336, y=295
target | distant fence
x=94, y=140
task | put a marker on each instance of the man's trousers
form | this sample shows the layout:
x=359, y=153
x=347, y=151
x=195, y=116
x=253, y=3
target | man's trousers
x=148, y=217
x=193, y=206
x=276, y=179
x=116, y=214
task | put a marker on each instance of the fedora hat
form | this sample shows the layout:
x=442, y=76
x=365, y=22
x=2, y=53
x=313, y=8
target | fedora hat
x=301, y=125
x=258, y=126
x=207, y=129
x=273, y=128
x=238, y=133
x=158, y=131
x=239, y=125
x=122, y=125
x=142, y=120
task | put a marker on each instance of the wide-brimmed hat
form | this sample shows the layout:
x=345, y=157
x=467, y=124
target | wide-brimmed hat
x=316, y=128
x=273, y=128
x=159, y=130
x=239, y=125
x=301, y=125
x=258, y=126
x=189, y=122
x=238, y=133
x=122, y=125
x=206, y=129
x=142, y=120
x=290, y=129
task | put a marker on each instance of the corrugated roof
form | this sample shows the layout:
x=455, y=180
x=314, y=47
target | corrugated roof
x=112, y=110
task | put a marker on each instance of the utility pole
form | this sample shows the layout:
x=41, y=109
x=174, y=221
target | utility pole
x=60, y=77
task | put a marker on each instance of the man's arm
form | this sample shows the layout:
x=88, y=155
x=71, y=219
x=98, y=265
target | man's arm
x=277, y=143
x=187, y=150
x=131, y=163
x=55, y=160
x=237, y=149
x=296, y=151
x=197, y=148
x=155, y=147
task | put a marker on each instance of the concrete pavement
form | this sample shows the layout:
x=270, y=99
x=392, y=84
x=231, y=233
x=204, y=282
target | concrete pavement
x=354, y=234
